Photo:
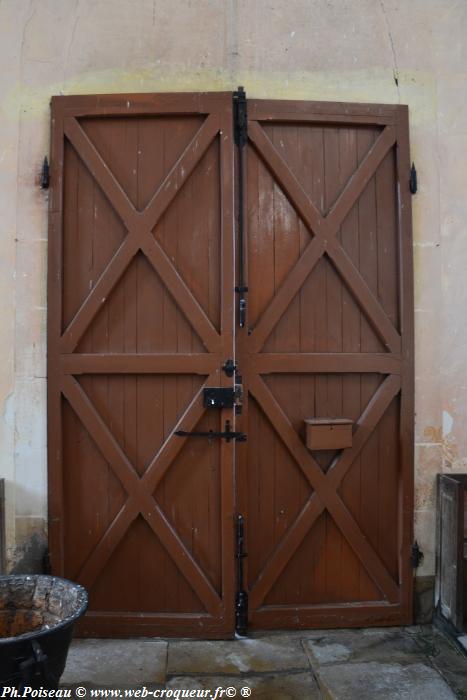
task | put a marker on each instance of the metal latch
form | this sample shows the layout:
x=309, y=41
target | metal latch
x=238, y=395
x=228, y=435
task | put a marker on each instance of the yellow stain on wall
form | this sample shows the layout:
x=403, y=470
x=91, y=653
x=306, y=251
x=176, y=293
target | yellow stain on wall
x=416, y=88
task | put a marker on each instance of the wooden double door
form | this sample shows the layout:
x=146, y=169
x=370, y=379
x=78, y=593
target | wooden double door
x=147, y=237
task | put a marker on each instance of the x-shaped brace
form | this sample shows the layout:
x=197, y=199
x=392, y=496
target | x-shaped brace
x=139, y=490
x=324, y=487
x=324, y=230
x=140, y=225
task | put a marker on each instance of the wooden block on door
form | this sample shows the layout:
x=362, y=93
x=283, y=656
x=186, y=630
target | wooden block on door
x=328, y=433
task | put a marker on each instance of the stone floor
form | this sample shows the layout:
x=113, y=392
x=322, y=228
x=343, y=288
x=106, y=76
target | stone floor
x=386, y=663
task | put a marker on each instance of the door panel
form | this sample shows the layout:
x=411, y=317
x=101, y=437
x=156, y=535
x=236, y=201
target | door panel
x=329, y=335
x=141, y=320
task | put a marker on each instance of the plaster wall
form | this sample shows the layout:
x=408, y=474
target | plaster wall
x=408, y=51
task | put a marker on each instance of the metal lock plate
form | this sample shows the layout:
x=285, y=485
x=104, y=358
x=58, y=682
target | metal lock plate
x=218, y=397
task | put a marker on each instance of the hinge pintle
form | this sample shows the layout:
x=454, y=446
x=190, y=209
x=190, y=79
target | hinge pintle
x=413, y=179
x=45, y=174
x=416, y=556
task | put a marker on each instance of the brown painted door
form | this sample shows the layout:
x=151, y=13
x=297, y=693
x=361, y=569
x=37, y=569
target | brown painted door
x=329, y=335
x=141, y=319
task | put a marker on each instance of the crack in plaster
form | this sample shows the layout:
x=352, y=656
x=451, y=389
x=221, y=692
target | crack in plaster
x=9, y=410
x=31, y=13
x=393, y=50
x=70, y=42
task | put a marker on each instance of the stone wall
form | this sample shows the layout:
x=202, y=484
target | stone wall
x=412, y=52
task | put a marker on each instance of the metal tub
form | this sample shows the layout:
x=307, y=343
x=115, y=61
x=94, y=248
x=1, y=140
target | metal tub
x=37, y=614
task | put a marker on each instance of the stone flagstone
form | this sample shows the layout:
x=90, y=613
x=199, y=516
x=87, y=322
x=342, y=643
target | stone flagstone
x=116, y=662
x=378, y=644
x=287, y=686
x=374, y=681
x=268, y=654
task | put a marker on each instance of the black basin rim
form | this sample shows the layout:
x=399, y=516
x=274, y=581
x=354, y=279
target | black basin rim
x=63, y=624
